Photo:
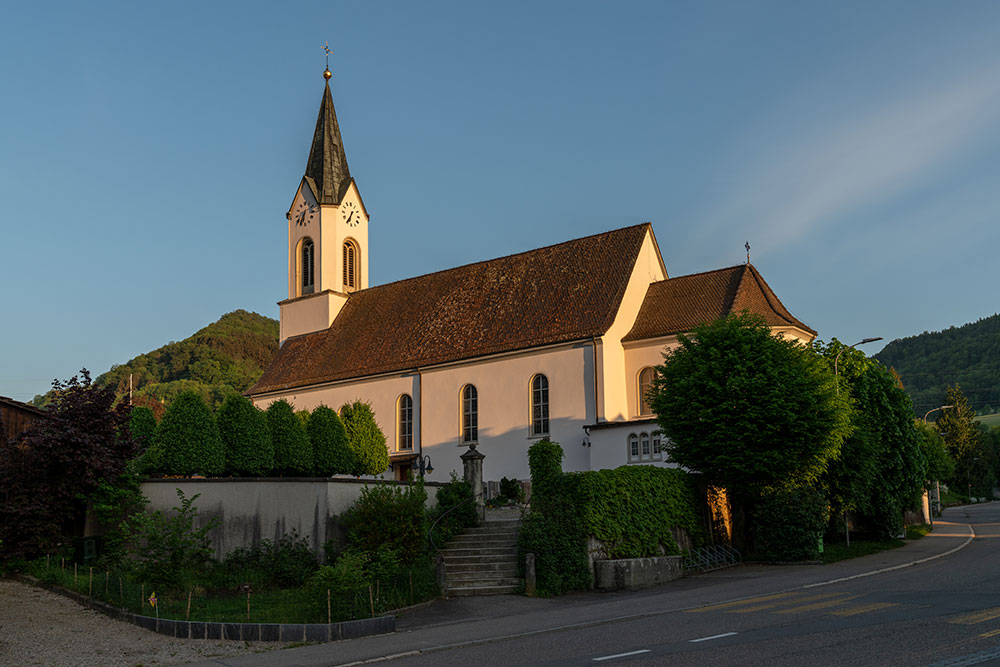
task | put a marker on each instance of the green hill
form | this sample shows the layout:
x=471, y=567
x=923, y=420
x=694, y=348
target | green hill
x=930, y=362
x=224, y=357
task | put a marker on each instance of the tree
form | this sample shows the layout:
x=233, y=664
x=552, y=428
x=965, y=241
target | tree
x=881, y=469
x=940, y=465
x=62, y=458
x=365, y=438
x=246, y=437
x=962, y=439
x=748, y=409
x=187, y=438
x=292, y=451
x=331, y=453
x=142, y=426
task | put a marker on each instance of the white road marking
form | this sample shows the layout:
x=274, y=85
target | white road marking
x=705, y=639
x=621, y=655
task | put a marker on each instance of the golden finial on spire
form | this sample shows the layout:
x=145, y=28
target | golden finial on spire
x=327, y=73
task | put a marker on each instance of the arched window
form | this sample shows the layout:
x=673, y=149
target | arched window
x=644, y=446
x=539, y=405
x=352, y=266
x=470, y=414
x=633, y=447
x=657, y=445
x=306, y=267
x=645, y=384
x=404, y=423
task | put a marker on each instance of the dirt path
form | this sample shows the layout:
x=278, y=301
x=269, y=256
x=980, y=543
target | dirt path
x=41, y=628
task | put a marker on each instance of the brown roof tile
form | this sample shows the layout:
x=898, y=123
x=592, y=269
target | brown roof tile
x=677, y=305
x=559, y=293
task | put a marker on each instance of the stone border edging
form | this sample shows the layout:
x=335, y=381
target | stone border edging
x=264, y=632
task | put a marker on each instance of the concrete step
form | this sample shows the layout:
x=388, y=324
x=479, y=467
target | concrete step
x=484, y=541
x=477, y=551
x=485, y=567
x=492, y=578
x=488, y=532
x=462, y=591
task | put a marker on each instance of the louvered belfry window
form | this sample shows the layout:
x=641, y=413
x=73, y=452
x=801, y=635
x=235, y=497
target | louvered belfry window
x=539, y=405
x=351, y=272
x=470, y=414
x=307, y=264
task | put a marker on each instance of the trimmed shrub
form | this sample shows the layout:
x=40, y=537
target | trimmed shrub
x=554, y=530
x=365, y=438
x=187, y=439
x=142, y=426
x=292, y=451
x=331, y=454
x=789, y=523
x=246, y=437
x=388, y=516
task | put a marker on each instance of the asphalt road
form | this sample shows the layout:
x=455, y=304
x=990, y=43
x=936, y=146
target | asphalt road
x=935, y=601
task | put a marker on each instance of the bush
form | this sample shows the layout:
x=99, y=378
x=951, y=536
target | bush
x=188, y=439
x=365, y=438
x=347, y=580
x=390, y=516
x=455, y=494
x=292, y=451
x=142, y=426
x=331, y=453
x=511, y=490
x=632, y=509
x=285, y=564
x=166, y=552
x=789, y=523
x=246, y=437
x=554, y=530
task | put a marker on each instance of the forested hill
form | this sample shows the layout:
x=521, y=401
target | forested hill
x=930, y=362
x=226, y=356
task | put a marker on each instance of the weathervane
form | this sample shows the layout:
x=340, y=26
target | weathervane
x=326, y=72
x=747, y=246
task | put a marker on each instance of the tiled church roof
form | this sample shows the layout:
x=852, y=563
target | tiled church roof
x=677, y=305
x=570, y=291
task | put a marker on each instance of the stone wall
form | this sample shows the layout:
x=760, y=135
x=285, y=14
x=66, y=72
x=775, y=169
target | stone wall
x=253, y=509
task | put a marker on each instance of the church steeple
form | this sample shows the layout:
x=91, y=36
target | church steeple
x=326, y=169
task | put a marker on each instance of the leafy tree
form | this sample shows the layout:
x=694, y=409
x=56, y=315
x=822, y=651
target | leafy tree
x=142, y=426
x=365, y=438
x=246, y=437
x=292, y=451
x=748, y=409
x=962, y=439
x=940, y=465
x=331, y=453
x=187, y=439
x=60, y=460
x=881, y=469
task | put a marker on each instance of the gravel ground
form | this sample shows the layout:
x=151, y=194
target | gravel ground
x=38, y=627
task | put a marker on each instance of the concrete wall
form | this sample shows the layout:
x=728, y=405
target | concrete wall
x=253, y=509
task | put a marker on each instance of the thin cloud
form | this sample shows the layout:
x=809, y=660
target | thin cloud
x=831, y=171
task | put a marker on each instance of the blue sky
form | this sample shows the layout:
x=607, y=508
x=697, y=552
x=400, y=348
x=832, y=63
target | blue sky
x=149, y=151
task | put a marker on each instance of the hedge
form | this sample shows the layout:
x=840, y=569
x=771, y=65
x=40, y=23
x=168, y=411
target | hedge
x=292, y=451
x=331, y=454
x=246, y=437
x=187, y=438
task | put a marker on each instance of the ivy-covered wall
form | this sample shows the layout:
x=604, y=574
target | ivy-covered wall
x=631, y=509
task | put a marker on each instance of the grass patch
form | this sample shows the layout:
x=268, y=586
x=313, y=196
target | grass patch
x=269, y=605
x=989, y=420
x=838, y=550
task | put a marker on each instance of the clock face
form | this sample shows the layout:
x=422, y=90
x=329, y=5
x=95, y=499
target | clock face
x=304, y=213
x=350, y=214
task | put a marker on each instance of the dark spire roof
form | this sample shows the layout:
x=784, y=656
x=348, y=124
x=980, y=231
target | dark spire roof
x=326, y=170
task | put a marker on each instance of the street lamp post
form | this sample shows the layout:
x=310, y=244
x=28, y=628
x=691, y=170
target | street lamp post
x=836, y=380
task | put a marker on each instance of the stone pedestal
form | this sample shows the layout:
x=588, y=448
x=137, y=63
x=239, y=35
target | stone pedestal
x=472, y=461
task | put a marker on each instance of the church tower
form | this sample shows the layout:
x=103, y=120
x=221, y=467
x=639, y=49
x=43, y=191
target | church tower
x=327, y=232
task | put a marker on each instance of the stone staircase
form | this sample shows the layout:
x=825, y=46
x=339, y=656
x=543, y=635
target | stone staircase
x=483, y=560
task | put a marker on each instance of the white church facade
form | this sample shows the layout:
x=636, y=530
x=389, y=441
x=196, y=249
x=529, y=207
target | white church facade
x=557, y=342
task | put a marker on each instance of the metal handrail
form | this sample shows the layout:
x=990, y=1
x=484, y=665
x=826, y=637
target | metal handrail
x=712, y=557
x=430, y=531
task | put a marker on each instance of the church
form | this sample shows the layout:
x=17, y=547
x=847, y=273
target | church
x=557, y=342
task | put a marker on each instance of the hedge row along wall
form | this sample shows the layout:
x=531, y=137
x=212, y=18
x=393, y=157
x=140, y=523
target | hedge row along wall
x=632, y=510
